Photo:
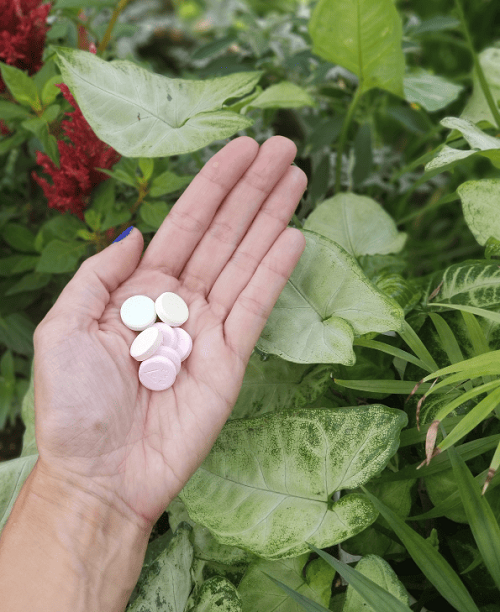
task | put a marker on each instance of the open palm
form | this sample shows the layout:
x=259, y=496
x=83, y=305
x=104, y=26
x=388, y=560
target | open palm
x=226, y=250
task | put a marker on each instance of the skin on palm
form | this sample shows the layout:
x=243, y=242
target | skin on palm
x=226, y=250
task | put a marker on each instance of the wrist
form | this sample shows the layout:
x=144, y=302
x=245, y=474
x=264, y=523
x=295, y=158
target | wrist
x=74, y=549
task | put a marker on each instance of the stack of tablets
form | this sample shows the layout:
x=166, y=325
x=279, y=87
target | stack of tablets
x=162, y=346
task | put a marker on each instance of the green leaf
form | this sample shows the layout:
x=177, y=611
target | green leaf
x=283, y=95
x=481, y=143
x=430, y=91
x=104, y=197
x=168, y=581
x=59, y=257
x=280, y=498
x=217, y=594
x=7, y=365
x=39, y=128
x=204, y=543
x=258, y=593
x=7, y=144
x=492, y=248
x=49, y=91
x=363, y=36
x=16, y=332
x=141, y=114
x=168, y=182
x=147, y=165
x=307, y=325
x=477, y=108
x=276, y=384
x=369, y=591
x=30, y=282
x=482, y=521
x=18, y=237
x=304, y=602
x=154, y=213
x=480, y=206
x=114, y=218
x=474, y=284
x=432, y=564
x=92, y=219
x=434, y=24
x=9, y=110
x=358, y=224
x=472, y=419
x=13, y=473
x=17, y=264
x=21, y=86
x=441, y=462
x=28, y=416
x=382, y=575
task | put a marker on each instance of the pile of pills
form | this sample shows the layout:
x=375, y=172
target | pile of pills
x=162, y=346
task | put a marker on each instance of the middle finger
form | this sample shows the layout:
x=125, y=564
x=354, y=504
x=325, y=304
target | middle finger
x=236, y=214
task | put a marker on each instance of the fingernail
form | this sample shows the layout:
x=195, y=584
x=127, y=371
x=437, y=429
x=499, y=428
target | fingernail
x=123, y=234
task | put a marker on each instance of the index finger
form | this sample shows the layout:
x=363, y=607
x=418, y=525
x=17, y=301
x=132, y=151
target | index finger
x=188, y=220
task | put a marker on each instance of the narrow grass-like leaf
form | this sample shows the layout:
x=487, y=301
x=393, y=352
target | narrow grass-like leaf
x=452, y=501
x=414, y=436
x=374, y=595
x=489, y=363
x=417, y=346
x=482, y=521
x=308, y=604
x=492, y=470
x=467, y=451
x=472, y=419
x=403, y=387
x=392, y=350
x=447, y=338
x=482, y=312
x=464, y=397
x=476, y=334
x=432, y=564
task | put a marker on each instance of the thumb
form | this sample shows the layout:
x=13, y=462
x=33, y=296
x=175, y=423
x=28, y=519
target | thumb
x=85, y=297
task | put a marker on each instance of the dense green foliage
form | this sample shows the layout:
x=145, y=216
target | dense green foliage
x=358, y=467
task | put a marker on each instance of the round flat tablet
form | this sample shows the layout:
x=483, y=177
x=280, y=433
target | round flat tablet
x=138, y=312
x=172, y=354
x=157, y=373
x=146, y=344
x=184, y=343
x=169, y=337
x=171, y=309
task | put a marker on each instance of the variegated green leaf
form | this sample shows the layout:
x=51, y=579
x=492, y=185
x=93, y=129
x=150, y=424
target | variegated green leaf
x=276, y=384
x=217, y=594
x=273, y=501
x=380, y=572
x=168, y=581
x=430, y=90
x=480, y=205
x=260, y=593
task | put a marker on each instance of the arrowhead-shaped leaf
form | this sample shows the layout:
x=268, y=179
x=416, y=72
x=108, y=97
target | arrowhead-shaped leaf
x=142, y=114
x=327, y=301
x=267, y=482
x=358, y=223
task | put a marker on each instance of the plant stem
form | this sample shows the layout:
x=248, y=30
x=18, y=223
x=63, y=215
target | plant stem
x=477, y=65
x=343, y=135
x=116, y=12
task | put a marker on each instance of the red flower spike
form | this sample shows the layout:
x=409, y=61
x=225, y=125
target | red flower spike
x=23, y=29
x=77, y=176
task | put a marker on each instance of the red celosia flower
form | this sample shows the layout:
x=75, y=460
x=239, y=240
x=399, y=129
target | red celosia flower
x=77, y=176
x=4, y=130
x=22, y=34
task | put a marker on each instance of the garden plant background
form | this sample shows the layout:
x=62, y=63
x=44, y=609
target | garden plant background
x=368, y=420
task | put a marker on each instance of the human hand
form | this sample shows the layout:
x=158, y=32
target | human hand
x=226, y=250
